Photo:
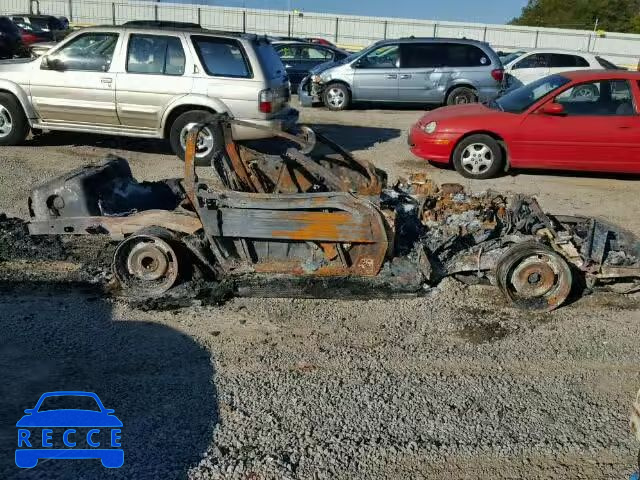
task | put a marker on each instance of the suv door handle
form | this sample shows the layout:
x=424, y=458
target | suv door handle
x=392, y=76
x=405, y=76
x=106, y=80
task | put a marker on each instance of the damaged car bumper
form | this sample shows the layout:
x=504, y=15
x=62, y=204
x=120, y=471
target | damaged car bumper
x=309, y=93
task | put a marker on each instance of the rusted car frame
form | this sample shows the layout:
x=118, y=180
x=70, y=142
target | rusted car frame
x=330, y=216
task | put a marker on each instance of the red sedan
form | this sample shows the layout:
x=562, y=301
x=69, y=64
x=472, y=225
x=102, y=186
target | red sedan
x=586, y=121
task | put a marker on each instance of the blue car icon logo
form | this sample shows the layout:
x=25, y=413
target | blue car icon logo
x=81, y=429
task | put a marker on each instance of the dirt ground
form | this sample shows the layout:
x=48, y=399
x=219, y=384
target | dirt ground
x=452, y=385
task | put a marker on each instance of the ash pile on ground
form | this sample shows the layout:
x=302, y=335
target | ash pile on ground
x=52, y=258
x=17, y=244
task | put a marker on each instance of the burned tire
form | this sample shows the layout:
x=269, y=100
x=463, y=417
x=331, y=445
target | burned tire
x=210, y=140
x=336, y=97
x=462, y=96
x=478, y=157
x=14, y=126
x=146, y=264
x=534, y=277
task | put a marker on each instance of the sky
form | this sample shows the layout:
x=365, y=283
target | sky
x=487, y=11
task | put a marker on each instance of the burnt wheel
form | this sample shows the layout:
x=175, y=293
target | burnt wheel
x=534, y=277
x=146, y=264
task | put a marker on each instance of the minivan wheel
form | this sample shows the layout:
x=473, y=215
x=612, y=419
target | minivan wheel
x=462, y=96
x=14, y=126
x=210, y=140
x=478, y=157
x=336, y=97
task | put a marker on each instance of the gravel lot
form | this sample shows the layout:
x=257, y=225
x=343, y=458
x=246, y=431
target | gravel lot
x=452, y=385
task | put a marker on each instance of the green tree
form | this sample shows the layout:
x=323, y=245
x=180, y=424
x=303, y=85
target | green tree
x=612, y=15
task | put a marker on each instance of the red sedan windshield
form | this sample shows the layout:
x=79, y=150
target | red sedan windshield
x=518, y=100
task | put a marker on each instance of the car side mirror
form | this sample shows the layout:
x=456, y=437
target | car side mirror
x=552, y=108
x=357, y=64
x=109, y=411
x=49, y=63
x=29, y=411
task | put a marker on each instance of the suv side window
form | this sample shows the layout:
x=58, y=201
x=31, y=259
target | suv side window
x=558, y=60
x=222, y=57
x=155, y=54
x=601, y=98
x=535, y=60
x=461, y=55
x=90, y=52
x=315, y=53
x=386, y=56
x=420, y=55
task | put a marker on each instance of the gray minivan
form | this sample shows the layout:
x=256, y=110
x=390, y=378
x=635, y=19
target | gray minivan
x=411, y=70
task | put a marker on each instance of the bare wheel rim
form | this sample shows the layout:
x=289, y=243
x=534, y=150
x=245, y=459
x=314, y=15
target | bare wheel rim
x=336, y=97
x=205, y=143
x=534, y=277
x=146, y=265
x=477, y=158
x=463, y=98
x=6, y=122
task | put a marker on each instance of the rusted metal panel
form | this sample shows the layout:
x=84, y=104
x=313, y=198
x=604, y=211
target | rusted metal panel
x=118, y=227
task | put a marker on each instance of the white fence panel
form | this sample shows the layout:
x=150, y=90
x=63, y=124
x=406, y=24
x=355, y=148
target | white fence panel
x=347, y=30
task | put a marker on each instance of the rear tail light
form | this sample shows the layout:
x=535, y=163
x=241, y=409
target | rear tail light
x=266, y=99
x=498, y=74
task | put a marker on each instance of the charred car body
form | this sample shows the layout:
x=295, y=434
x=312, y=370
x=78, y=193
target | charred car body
x=317, y=215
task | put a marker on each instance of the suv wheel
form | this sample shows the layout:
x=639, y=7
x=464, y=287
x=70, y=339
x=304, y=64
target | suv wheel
x=14, y=126
x=210, y=140
x=478, y=157
x=336, y=97
x=462, y=96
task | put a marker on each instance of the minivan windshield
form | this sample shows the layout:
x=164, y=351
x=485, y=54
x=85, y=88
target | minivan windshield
x=517, y=101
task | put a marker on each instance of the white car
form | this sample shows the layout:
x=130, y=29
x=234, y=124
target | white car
x=535, y=64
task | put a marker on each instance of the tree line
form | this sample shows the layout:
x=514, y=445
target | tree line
x=610, y=15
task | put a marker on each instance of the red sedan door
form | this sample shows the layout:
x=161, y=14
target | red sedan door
x=598, y=131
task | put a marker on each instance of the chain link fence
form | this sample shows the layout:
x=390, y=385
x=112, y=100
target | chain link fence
x=346, y=30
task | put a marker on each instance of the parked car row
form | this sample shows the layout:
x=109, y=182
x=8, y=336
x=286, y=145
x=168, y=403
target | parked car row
x=156, y=81
x=19, y=33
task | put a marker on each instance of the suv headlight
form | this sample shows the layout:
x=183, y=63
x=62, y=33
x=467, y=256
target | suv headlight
x=430, y=127
x=316, y=78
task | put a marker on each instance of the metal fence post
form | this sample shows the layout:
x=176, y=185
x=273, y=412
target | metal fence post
x=71, y=10
x=155, y=12
x=589, y=43
x=537, y=36
x=289, y=25
x=199, y=16
x=484, y=35
x=113, y=12
x=337, y=26
x=385, y=29
x=435, y=30
x=244, y=21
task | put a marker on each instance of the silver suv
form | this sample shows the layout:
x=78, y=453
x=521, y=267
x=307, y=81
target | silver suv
x=146, y=82
x=411, y=70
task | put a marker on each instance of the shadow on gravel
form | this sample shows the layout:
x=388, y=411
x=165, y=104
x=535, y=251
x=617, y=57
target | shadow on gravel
x=73, y=139
x=158, y=380
x=349, y=137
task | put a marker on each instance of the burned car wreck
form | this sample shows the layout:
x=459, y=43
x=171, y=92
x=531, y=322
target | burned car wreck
x=310, y=218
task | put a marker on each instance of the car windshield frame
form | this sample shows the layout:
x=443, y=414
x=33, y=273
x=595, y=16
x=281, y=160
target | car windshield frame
x=38, y=408
x=521, y=99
